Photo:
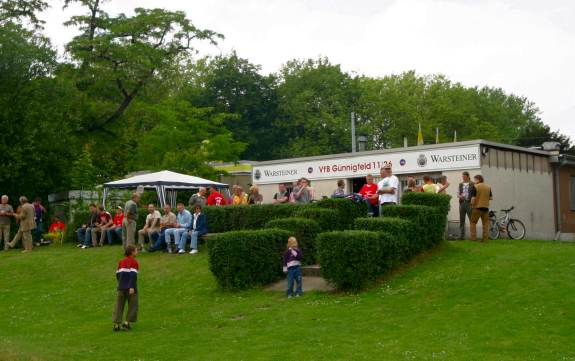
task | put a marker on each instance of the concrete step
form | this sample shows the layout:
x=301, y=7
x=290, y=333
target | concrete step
x=311, y=271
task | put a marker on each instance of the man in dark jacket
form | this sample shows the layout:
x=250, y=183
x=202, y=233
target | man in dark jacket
x=198, y=228
x=464, y=194
x=85, y=232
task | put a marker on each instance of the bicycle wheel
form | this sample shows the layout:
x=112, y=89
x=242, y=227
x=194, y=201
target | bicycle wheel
x=493, y=229
x=515, y=229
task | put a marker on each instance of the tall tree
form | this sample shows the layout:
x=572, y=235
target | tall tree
x=126, y=53
x=231, y=84
x=36, y=140
x=22, y=11
x=316, y=99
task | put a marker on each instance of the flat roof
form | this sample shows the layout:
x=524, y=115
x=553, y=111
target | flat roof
x=413, y=148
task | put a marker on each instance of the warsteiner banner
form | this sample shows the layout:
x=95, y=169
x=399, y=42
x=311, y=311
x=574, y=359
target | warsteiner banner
x=358, y=166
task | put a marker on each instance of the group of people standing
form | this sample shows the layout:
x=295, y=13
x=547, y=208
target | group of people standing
x=474, y=196
x=29, y=218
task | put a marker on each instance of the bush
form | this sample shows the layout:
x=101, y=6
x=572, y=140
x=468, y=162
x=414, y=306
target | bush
x=244, y=259
x=305, y=230
x=347, y=209
x=234, y=218
x=439, y=201
x=327, y=219
x=351, y=259
x=76, y=221
x=430, y=222
x=401, y=229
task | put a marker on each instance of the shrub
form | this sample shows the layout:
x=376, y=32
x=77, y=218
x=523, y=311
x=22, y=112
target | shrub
x=347, y=209
x=351, y=259
x=439, y=201
x=243, y=259
x=233, y=218
x=327, y=219
x=305, y=230
x=76, y=221
x=404, y=230
x=430, y=222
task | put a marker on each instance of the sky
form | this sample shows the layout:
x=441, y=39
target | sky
x=526, y=47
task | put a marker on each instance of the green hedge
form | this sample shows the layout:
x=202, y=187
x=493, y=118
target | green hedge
x=80, y=218
x=327, y=219
x=430, y=221
x=350, y=260
x=305, y=230
x=347, y=209
x=243, y=259
x=234, y=218
x=439, y=201
x=404, y=230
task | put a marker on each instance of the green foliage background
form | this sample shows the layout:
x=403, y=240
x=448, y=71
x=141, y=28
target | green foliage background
x=132, y=92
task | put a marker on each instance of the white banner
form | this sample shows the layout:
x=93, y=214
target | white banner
x=413, y=161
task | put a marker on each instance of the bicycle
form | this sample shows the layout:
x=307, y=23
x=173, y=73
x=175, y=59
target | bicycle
x=514, y=228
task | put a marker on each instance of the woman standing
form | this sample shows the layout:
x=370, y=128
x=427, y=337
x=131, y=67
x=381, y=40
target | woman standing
x=255, y=197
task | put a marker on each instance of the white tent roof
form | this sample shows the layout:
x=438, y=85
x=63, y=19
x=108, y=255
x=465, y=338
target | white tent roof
x=164, y=178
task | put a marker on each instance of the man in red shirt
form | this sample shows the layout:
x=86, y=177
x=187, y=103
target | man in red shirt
x=116, y=226
x=104, y=221
x=369, y=194
x=216, y=198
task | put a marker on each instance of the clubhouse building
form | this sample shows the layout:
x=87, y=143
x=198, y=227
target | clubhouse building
x=539, y=183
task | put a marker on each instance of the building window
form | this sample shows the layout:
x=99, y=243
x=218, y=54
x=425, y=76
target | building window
x=572, y=193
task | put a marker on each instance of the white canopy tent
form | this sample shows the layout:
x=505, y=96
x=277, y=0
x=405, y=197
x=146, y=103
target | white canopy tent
x=166, y=184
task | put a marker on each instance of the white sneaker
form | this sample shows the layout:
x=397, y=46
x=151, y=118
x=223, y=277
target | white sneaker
x=181, y=251
x=193, y=251
x=84, y=246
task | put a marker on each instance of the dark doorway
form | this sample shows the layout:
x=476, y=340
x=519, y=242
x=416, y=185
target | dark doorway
x=357, y=183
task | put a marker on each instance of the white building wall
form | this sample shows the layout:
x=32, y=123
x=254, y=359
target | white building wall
x=530, y=192
x=320, y=187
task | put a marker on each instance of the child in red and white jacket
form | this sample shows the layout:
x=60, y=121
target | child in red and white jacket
x=127, y=276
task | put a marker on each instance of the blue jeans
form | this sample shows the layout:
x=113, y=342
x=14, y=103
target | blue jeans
x=38, y=231
x=183, y=240
x=176, y=232
x=85, y=236
x=110, y=234
x=294, y=274
x=373, y=209
x=160, y=241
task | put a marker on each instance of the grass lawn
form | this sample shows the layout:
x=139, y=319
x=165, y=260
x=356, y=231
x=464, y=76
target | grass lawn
x=505, y=300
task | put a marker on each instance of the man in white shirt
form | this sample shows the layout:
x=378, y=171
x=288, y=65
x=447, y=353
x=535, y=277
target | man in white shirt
x=152, y=226
x=388, y=187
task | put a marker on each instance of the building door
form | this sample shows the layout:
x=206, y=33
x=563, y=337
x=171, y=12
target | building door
x=356, y=184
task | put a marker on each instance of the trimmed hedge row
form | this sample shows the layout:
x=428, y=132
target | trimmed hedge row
x=396, y=227
x=347, y=209
x=243, y=259
x=350, y=260
x=327, y=219
x=234, y=218
x=430, y=222
x=305, y=230
x=438, y=201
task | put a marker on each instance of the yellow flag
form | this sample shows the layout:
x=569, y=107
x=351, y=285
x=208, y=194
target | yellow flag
x=419, y=136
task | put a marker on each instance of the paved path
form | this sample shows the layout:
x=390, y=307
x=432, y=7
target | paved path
x=309, y=284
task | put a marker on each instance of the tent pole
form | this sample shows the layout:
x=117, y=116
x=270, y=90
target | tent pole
x=104, y=197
